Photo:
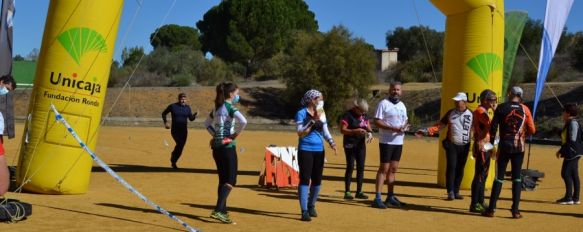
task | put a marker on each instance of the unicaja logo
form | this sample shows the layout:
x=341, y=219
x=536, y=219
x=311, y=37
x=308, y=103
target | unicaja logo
x=77, y=42
x=73, y=82
x=80, y=40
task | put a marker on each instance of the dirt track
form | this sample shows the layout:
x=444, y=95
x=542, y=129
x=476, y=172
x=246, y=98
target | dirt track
x=141, y=157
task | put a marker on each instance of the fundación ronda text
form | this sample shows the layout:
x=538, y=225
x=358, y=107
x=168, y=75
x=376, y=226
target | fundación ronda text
x=70, y=98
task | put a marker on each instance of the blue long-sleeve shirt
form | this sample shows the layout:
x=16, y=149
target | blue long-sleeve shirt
x=180, y=113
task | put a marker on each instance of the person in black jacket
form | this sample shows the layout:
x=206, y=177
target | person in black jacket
x=357, y=131
x=571, y=150
x=180, y=111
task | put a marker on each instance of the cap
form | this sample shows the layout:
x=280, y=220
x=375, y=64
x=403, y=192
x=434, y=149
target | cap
x=516, y=91
x=460, y=97
x=487, y=94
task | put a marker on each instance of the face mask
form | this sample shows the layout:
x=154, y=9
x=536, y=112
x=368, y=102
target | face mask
x=236, y=99
x=320, y=105
x=3, y=90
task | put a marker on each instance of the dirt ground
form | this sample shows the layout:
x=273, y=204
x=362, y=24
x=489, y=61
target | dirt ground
x=141, y=156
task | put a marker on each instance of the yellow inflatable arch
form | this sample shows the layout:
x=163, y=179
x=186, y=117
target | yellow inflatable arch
x=473, y=61
x=72, y=73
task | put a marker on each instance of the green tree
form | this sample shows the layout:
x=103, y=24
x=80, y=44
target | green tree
x=576, y=51
x=18, y=57
x=336, y=63
x=131, y=56
x=174, y=37
x=413, y=55
x=250, y=31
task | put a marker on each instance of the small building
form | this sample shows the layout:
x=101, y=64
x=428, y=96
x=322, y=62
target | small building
x=386, y=58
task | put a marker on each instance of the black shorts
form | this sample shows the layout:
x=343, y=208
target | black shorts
x=390, y=152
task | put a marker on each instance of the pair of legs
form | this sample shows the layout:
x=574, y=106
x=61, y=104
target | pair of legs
x=226, y=161
x=356, y=153
x=390, y=157
x=179, y=134
x=311, y=168
x=456, y=156
x=481, y=170
x=570, y=174
x=516, y=160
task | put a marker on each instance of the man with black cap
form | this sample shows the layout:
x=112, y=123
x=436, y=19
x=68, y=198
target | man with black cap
x=515, y=122
x=180, y=111
x=457, y=143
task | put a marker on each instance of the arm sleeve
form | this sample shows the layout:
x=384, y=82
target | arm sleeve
x=165, y=112
x=572, y=131
x=432, y=130
x=493, y=125
x=208, y=123
x=529, y=121
x=300, y=121
x=1, y=125
x=327, y=134
x=242, y=122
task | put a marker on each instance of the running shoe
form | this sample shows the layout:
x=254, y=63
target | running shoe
x=458, y=196
x=312, y=212
x=378, y=203
x=450, y=196
x=394, y=201
x=348, y=196
x=576, y=201
x=565, y=201
x=361, y=195
x=516, y=215
x=306, y=216
x=477, y=208
x=489, y=213
x=174, y=166
x=223, y=217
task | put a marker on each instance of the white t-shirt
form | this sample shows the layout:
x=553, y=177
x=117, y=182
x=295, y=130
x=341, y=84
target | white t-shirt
x=394, y=115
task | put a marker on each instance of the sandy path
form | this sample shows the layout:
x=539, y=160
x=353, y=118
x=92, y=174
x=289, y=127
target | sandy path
x=140, y=156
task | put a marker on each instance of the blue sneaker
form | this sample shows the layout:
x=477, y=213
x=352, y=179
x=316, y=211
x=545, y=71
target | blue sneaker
x=378, y=203
x=394, y=201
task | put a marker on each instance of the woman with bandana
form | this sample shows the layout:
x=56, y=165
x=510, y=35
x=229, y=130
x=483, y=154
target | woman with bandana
x=312, y=129
x=221, y=126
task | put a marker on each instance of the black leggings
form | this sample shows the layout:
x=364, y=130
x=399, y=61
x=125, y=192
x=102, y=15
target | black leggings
x=358, y=153
x=515, y=160
x=456, y=156
x=226, y=161
x=179, y=135
x=481, y=170
x=570, y=174
x=311, y=167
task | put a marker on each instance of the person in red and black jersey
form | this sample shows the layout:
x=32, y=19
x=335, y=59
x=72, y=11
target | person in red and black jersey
x=514, y=121
x=481, y=153
x=357, y=131
x=457, y=144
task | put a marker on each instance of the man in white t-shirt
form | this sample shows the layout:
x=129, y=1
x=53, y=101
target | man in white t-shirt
x=391, y=119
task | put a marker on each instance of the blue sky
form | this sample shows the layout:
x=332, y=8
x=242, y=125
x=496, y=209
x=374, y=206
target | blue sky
x=369, y=19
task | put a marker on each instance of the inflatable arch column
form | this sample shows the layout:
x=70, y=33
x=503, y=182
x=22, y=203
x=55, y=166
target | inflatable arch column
x=473, y=60
x=72, y=73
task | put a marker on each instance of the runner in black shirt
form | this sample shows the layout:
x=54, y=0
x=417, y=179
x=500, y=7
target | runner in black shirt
x=180, y=112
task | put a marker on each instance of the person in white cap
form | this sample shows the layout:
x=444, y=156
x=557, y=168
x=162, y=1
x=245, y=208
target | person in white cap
x=457, y=143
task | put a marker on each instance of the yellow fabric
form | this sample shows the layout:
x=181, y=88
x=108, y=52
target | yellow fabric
x=473, y=55
x=72, y=73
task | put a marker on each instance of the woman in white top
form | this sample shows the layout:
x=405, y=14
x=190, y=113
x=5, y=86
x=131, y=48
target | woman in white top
x=221, y=126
